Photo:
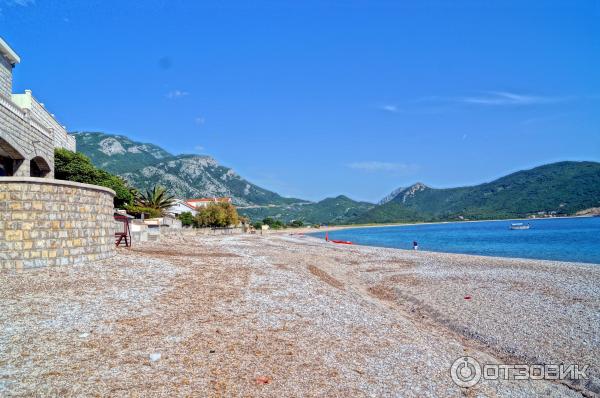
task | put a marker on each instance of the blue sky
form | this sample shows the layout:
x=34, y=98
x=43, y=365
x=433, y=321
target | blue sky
x=319, y=98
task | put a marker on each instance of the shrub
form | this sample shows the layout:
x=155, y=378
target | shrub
x=217, y=215
x=274, y=224
x=186, y=218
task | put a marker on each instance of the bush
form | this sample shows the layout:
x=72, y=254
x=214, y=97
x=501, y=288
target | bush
x=217, y=215
x=296, y=224
x=77, y=167
x=274, y=224
x=186, y=218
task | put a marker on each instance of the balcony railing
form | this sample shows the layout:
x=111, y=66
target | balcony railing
x=25, y=116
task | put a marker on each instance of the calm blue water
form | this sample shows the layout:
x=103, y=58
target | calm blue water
x=565, y=239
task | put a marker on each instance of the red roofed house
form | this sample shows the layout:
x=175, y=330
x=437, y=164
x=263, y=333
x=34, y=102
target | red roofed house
x=180, y=206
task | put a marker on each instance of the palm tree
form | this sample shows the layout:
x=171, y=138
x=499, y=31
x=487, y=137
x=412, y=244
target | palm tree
x=157, y=198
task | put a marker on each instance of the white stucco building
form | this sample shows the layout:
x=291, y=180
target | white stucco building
x=180, y=206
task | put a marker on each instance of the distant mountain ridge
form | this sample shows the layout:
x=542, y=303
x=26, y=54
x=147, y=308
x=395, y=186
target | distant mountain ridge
x=117, y=153
x=338, y=210
x=144, y=165
x=562, y=188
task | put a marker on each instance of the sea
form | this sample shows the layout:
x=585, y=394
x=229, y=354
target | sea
x=565, y=239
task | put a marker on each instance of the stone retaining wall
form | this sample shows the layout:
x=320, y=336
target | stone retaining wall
x=45, y=222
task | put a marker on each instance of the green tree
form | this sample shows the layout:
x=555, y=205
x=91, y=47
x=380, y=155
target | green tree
x=217, y=215
x=77, y=167
x=187, y=219
x=274, y=224
x=157, y=198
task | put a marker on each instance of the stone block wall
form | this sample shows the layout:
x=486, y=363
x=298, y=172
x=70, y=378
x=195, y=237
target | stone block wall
x=45, y=222
x=5, y=76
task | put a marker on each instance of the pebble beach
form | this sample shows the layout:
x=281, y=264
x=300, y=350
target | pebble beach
x=291, y=315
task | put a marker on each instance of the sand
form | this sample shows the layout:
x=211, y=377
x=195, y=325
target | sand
x=280, y=315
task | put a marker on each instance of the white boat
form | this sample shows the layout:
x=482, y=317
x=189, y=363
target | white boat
x=519, y=225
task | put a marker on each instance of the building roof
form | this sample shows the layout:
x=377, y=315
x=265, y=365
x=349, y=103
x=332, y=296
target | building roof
x=8, y=52
x=184, y=203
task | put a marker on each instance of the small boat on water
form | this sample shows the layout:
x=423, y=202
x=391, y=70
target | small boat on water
x=519, y=225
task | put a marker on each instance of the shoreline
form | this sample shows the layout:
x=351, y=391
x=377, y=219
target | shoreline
x=483, y=256
x=309, y=232
x=384, y=225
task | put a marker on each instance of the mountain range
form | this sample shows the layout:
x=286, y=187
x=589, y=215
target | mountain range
x=144, y=165
x=562, y=188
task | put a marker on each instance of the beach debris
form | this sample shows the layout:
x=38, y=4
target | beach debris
x=467, y=297
x=155, y=356
x=83, y=335
x=263, y=380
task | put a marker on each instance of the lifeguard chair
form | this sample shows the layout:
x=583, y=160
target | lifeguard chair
x=124, y=234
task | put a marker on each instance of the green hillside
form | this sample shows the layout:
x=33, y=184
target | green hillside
x=116, y=153
x=338, y=210
x=562, y=188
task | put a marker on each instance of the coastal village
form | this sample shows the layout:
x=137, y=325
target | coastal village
x=105, y=300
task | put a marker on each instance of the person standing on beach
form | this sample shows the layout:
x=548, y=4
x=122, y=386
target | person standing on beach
x=415, y=245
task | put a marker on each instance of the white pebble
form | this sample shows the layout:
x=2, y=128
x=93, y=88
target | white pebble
x=155, y=356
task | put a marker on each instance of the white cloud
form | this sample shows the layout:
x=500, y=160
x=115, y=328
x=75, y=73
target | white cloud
x=199, y=148
x=507, y=98
x=389, y=108
x=22, y=3
x=13, y=3
x=199, y=121
x=377, y=166
x=485, y=98
x=174, y=94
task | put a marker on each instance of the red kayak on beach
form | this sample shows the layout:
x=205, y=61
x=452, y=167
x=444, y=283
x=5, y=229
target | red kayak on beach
x=343, y=242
